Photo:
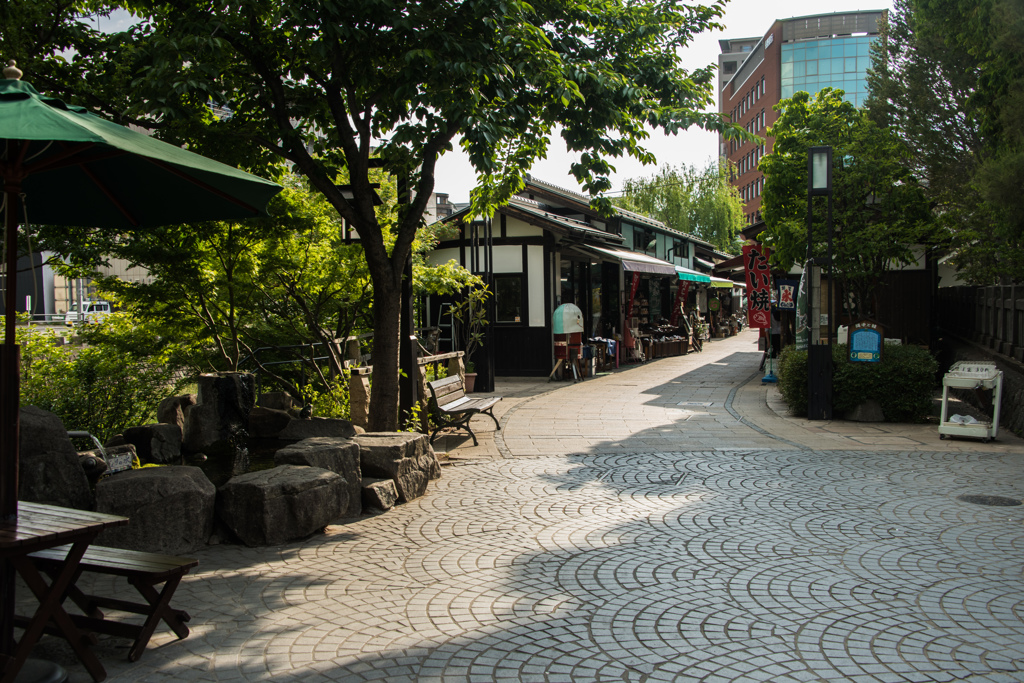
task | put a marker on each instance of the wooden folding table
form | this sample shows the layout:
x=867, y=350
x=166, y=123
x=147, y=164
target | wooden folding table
x=39, y=527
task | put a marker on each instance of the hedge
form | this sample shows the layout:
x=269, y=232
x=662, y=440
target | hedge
x=902, y=383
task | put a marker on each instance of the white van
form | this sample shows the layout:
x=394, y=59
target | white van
x=94, y=312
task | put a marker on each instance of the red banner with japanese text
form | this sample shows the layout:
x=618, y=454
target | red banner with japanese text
x=759, y=286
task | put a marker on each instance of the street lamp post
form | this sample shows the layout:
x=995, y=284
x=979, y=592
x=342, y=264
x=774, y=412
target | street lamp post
x=819, y=356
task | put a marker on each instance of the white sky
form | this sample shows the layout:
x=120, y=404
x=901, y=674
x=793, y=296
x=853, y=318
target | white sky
x=743, y=19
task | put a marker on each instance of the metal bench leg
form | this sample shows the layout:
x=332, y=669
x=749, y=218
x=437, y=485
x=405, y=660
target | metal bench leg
x=490, y=414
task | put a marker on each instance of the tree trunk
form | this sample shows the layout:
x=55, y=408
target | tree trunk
x=387, y=303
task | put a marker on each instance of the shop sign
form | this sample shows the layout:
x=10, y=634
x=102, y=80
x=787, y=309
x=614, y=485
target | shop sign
x=787, y=294
x=866, y=342
x=759, y=290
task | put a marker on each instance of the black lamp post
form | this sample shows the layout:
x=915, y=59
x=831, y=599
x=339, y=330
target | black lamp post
x=819, y=356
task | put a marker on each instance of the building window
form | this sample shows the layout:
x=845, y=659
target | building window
x=508, y=297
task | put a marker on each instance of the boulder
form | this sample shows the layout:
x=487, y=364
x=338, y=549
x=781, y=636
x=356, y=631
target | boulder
x=406, y=457
x=337, y=455
x=868, y=411
x=222, y=408
x=170, y=509
x=379, y=494
x=297, y=430
x=267, y=423
x=49, y=470
x=278, y=400
x=282, y=504
x=156, y=443
x=172, y=410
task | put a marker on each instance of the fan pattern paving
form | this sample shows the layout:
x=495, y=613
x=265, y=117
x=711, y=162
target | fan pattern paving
x=689, y=566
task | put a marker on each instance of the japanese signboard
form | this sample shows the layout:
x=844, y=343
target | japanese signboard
x=787, y=294
x=759, y=289
x=866, y=342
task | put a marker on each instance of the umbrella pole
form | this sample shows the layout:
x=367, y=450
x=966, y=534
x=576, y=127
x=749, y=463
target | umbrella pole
x=10, y=367
x=10, y=375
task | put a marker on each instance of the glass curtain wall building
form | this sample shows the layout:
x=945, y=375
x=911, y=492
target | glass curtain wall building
x=831, y=63
x=802, y=53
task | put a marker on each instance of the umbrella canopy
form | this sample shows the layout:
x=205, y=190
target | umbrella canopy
x=75, y=168
x=65, y=166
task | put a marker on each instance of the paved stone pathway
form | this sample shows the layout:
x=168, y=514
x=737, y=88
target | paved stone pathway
x=682, y=543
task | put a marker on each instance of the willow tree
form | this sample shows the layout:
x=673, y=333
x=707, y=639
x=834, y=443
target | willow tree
x=336, y=88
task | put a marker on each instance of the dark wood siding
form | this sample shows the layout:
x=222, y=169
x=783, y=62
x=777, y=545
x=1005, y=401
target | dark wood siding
x=522, y=351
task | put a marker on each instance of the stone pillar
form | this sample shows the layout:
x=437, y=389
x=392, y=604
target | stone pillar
x=359, y=400
x=456, y=367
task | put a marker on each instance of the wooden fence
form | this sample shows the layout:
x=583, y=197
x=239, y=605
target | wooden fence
x=990, y=316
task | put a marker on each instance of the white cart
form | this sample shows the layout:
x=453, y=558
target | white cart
x=972, y=375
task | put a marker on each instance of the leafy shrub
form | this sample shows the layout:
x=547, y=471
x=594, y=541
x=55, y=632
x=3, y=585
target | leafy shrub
x=902, y=383
x=792, y=374
x=103, y=387
x=332, y=401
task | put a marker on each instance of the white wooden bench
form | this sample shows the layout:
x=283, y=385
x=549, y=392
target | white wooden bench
x=450, y=407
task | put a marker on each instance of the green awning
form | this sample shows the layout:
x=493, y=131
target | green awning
x=691, y=275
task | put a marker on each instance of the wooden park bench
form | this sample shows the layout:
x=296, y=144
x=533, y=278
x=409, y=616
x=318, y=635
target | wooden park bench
x=144, y=571
x=450, y=407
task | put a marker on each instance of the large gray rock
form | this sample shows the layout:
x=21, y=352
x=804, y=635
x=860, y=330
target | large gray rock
x=49, y=470
x=406, y=457
x=297, y=430
x=267, y=423
x=337, y=455
x=288, y=502
x=278, y=400
x=224, y=401
x=170, y=509
x=172, y=410
x=868, y=411
x=324, y=427
x=156, y=443
x=379, y=494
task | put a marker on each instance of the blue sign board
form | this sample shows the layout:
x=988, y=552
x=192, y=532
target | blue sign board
x=866, y=343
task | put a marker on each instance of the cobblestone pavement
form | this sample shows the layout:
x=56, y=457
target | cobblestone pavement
x=685, y=543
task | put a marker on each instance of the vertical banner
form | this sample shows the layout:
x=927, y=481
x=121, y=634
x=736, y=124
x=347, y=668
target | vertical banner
x=682, y=289
x=802, y=305
x=632, y=296
x=759, y=286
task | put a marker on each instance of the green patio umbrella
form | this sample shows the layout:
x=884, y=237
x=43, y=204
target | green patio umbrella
x=62, y=165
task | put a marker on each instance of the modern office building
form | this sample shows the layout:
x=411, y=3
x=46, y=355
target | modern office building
x=803, y=53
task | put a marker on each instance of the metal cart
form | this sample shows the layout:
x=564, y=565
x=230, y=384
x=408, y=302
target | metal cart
x=972, y=375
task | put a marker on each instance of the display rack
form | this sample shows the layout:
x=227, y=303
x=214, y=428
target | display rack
x=972, y=375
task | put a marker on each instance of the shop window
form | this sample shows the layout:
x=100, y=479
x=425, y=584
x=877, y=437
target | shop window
x=567, y=290
x=508, y=298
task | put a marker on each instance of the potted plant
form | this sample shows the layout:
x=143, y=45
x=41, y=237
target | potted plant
x=470, y=316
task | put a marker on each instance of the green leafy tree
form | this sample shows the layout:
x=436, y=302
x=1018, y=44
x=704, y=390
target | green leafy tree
x=113, y=381
x=948, y=77
x=343, y=86
x=697, y=201
x=880, y=212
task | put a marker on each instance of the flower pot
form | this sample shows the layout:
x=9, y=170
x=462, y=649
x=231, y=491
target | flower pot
x=469, y=381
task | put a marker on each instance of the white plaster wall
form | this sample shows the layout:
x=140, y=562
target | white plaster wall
x=516, y=228
x=439, y=257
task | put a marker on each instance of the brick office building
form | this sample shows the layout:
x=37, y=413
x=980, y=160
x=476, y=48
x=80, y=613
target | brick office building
x=803, y=53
